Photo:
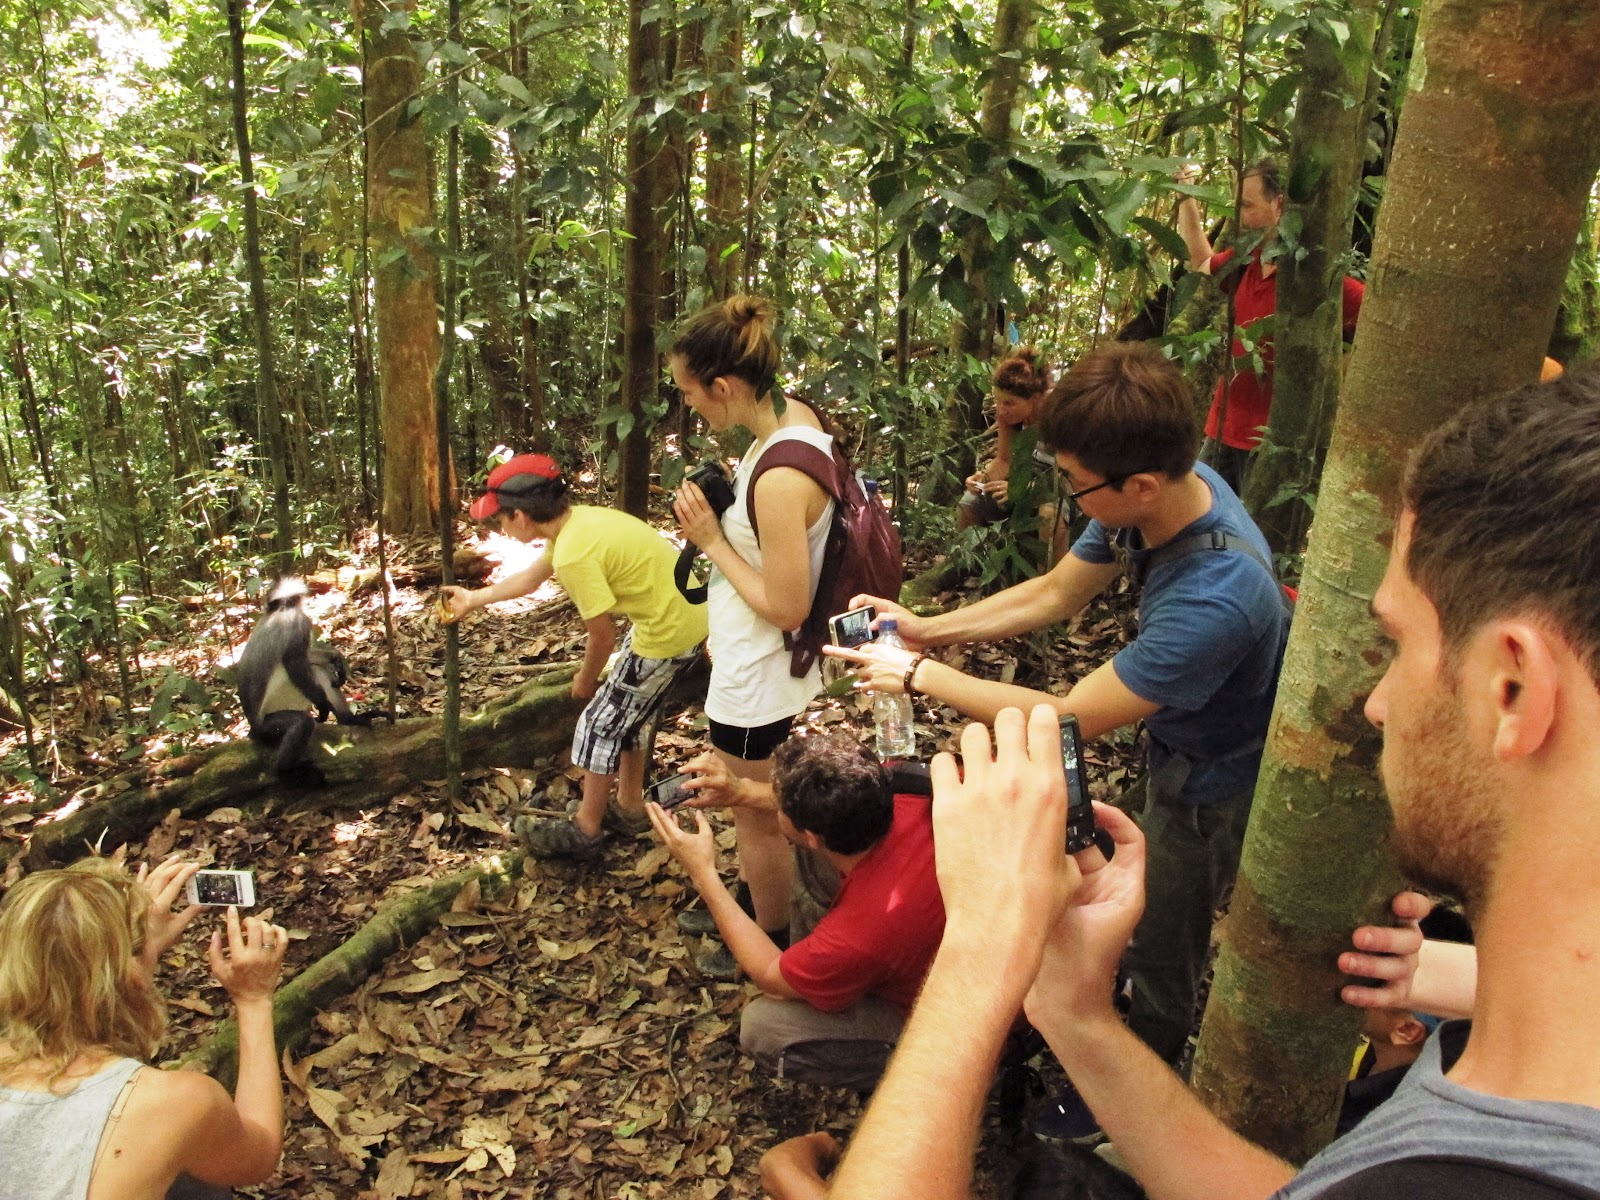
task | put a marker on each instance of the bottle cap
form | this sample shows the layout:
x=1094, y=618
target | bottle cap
x=888, y=625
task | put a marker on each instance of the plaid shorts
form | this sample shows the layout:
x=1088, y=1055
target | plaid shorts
x=632, y=691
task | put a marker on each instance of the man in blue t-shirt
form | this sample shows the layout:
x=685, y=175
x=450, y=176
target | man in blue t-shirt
x=1201, y=673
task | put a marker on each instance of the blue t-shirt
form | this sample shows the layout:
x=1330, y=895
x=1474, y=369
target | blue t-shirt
x=1212, y=627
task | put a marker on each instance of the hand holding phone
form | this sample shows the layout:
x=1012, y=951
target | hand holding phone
x=222, y=888
x=853, y=628
x=1080, y=812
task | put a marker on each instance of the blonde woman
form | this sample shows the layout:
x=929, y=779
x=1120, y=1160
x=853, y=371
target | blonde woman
x=81, y=1116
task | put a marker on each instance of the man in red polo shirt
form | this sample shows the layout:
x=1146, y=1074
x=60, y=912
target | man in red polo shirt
x=835, y=1001
x=1233, y=426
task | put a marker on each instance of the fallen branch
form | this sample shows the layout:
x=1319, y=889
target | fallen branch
x=341, y=971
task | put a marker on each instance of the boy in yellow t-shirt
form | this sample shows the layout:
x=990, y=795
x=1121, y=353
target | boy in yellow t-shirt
x=609, y=562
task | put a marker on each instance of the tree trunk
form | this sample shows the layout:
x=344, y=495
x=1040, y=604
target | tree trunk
x=1503, y=119
x=363, y=769
x=1325, y=155
x=972, y=330
x=641, y=262
x=724, y=165
x=406, y=271
x=283, y=538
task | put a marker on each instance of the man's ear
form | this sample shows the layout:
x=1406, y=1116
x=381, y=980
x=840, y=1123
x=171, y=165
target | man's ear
x=1524, y=679
x=1408, y=1031
x=1144, y=485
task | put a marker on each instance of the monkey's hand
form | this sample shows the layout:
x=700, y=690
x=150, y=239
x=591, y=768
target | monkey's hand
x=323, y=712
x=364, y=718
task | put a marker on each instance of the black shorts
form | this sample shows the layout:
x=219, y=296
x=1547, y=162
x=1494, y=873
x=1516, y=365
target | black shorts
x=752, y=745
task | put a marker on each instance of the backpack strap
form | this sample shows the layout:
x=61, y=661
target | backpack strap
x=809, y=460
x=1215, y=539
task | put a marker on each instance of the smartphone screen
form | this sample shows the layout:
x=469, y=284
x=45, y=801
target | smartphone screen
x=670, y=792
x=220, y=888
x=1080, y=813
x=853, y=628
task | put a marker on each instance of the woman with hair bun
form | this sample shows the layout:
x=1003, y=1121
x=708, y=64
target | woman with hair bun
x=81, y=1116
x=1020, y=383
x=725, y=362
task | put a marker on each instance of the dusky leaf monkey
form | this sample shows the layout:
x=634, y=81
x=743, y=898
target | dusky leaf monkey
x=285, y=672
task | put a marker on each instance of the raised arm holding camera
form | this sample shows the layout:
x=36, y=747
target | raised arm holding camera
x=81, y=1116
x=1201, y=673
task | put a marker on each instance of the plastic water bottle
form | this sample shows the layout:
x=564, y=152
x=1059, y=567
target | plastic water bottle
x=891, y=714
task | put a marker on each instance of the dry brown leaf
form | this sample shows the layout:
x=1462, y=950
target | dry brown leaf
x=422, y=981
x=327, y=1104
x=483, y=821
x=396, y=1176
x=195, y=1005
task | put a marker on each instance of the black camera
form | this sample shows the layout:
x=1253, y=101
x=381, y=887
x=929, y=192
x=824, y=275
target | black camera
x=712, y=480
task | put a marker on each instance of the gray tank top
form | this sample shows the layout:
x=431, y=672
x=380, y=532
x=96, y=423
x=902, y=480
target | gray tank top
x=48, y=1142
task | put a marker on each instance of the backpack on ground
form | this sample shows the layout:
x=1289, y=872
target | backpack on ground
x=863, y=553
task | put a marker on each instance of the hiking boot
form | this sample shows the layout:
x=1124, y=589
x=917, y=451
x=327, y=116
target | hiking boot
x=698, y=921
x=717, y=962
x=615, y=819
x=557, y=838
x=1066, y=1119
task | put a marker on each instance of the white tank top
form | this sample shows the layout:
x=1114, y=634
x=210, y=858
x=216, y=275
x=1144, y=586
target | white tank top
x=750, y=681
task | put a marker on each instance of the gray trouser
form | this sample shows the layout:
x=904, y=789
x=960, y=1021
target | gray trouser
x=846, y=1049
x=1191, y=858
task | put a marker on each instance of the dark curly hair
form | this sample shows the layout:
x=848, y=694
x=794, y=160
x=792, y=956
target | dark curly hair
x=831, y=785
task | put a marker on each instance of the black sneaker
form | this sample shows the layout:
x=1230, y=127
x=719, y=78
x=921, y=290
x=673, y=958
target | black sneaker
x=717, y=962
x=1066, y=1118
x=698, y=920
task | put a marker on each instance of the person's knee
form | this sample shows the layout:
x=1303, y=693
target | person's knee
x=760, y=1035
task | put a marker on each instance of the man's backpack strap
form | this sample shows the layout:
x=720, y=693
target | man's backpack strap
x=1216, y=539
x=1446, y=1177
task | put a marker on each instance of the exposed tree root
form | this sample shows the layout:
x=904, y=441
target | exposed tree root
x=341, y=971
x=364, y=767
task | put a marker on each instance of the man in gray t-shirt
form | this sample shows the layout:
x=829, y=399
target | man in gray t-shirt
x=1433, y=1115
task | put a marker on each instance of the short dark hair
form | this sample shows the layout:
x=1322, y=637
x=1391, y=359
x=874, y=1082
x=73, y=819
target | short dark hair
x=1123, y=408
x=1505, y=497
x=1271, y=177
x=543, y=503
x=831, y=785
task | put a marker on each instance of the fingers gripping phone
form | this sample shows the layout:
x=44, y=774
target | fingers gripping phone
x=669, y=792
x=219, y=888
x=1080, y=812
x=853, y=628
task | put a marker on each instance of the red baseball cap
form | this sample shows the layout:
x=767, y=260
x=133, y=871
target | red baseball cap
x=519, y=476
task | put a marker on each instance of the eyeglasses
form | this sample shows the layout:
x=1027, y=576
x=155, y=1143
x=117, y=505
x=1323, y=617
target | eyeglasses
x=1114, y=481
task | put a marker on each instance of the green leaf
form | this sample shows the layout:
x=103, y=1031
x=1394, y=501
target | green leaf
x=513, y=87
x=1123, y=203
x=1165, y=235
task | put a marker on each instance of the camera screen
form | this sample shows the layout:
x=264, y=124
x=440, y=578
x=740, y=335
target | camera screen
x=853, y=628
x=217, y=887
x=669, y=793
x=1077, y=793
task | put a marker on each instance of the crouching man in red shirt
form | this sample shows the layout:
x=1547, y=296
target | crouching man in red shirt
x=835, y=1001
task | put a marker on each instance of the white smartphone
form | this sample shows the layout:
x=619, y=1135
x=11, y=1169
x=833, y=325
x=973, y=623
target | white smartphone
x=222, y=888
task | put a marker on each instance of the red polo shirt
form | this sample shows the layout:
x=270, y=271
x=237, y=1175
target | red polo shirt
x=880, y=936
x=1249, y=394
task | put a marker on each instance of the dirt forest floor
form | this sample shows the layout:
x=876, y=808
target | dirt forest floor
x=553, y=1039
